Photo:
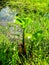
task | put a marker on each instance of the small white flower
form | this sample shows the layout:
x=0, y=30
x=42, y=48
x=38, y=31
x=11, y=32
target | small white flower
x=29, y=37
x=14, y=20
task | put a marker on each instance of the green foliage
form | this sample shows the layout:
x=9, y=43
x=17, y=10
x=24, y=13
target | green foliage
x=33, y=18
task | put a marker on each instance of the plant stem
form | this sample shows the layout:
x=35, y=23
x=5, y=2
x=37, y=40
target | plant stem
x=23, y=37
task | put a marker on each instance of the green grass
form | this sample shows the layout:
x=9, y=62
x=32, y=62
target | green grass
x=33, y=19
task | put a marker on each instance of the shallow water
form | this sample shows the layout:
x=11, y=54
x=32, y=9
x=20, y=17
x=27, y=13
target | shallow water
x=7, y=15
